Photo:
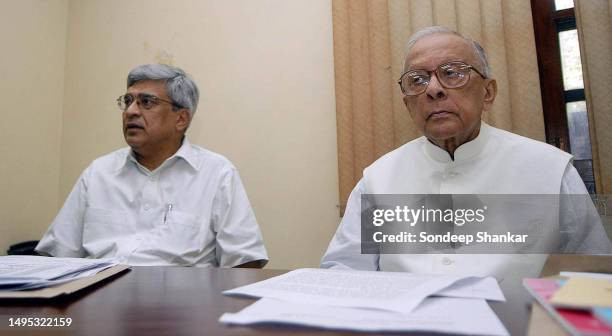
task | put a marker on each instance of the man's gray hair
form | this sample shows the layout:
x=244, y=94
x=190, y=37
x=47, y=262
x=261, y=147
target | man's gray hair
x=482, y=56
x=181, y=89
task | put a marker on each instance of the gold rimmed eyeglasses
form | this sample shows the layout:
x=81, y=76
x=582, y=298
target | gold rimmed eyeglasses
x=144, y=100
x=451, y=75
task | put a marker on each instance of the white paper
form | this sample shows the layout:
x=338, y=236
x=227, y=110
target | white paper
x=590, y=275
x=29, y=272
x=447, y=315
x=393, y=291
x=485, y=288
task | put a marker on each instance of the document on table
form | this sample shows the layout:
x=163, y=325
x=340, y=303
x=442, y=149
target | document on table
x=586, y=275
x=447, y=315
x=392, y=291
x=475, y=288
x=584, y=293
x=30, y=272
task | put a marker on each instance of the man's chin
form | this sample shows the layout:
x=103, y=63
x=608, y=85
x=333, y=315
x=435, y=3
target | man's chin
x=132, y=141
x=442, y=132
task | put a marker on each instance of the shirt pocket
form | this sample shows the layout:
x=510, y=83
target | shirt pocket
x=185, y=237
x=181, y=219
x=101, y=229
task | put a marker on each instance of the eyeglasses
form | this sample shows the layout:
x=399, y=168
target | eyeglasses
x=144, y=100
x=451, y=75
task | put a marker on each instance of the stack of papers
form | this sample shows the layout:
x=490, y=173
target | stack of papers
x=583, y=292
x=373, y=301
x=581, y=303
x=33, y=272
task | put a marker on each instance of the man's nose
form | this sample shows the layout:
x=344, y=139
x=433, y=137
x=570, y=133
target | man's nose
x=133, y=109
x=435, y=90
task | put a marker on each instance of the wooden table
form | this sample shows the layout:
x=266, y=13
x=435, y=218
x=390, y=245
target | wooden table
x=186, y=301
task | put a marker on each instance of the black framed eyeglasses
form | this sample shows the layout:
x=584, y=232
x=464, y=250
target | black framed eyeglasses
x=144, y=100
x=451, y=75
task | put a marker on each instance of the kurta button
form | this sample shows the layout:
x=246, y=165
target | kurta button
x=147, y=207
x=446, y=261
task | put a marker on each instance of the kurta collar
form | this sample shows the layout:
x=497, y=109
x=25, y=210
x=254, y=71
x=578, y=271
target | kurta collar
x=464, y=152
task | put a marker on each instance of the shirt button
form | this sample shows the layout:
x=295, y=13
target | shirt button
x=446, y=261
x=152, y=178
x=147, y=207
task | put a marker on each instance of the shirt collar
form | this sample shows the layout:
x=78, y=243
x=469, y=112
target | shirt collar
x=464, y=152
x=185, y=152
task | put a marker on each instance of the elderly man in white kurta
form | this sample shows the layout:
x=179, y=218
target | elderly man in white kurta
x=447, y=86
x=162, y=200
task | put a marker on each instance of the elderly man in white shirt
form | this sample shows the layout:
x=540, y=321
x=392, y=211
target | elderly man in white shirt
x=447, y=86
x=162, y=200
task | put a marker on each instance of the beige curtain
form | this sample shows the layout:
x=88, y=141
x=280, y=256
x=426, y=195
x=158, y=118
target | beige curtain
x=369, y=38
x=594, y=20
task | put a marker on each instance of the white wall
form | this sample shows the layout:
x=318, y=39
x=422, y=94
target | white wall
x=265, y=72
x=33, y=40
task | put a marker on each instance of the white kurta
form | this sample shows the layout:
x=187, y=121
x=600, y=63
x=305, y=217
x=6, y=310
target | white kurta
x=192, y=211
x=495, y=162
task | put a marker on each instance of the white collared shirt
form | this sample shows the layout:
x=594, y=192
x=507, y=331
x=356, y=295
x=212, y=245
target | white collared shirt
x=495, y=162
x=191, y=211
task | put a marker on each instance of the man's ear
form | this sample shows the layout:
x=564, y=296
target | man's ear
x=183, y=120
x=490, y=93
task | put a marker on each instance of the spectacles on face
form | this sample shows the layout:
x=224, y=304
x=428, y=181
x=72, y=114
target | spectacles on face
x=144, y=100
x=451, y=75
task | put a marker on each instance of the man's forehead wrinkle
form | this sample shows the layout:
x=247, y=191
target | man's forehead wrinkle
x=454, y=48
x=424, y=63
x=143, y=92
x=148, y=90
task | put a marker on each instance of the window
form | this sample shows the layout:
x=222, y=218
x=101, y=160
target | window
x=561, y=81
